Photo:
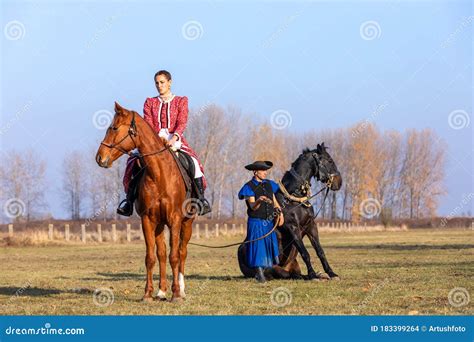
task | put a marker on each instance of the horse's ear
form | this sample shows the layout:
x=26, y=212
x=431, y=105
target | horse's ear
x=318, y=148
x=118, y=108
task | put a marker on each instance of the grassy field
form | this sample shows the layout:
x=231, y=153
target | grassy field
x=408, y=272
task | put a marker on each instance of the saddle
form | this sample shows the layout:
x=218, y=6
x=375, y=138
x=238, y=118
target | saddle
x=186, y=168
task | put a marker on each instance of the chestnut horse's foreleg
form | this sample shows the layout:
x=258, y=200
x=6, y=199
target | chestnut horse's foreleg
x=186, y=233
x=161, y=254
x=150, y=258
x=313, y=235
x=175, y=236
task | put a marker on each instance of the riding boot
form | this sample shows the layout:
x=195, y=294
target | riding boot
x=204, y=204
x=259, y=276
x=125, y=207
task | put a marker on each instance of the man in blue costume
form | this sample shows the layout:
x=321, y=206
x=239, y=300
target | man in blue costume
x=262, y=210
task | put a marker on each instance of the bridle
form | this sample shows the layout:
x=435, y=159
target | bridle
x=305, y=186
x=131, y=133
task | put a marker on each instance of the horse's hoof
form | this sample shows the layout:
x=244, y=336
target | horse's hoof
x=318, y=276
x=159, y=299
x=336, y=278
x=147, y=299
x=177, y=300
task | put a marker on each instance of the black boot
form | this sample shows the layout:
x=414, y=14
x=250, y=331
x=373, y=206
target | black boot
x=204, y=204
x=259, y=276
x=125, y=207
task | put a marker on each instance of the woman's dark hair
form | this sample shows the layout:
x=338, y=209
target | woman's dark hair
x=163, y=72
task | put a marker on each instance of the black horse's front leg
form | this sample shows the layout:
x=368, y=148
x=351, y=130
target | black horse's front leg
x=313, y=236
x=298, y=243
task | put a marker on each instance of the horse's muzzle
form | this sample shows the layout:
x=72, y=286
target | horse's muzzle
x=102, y=162
x=335, y=181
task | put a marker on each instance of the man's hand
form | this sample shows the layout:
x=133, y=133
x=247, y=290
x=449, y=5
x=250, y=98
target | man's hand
x=264, y=199
x=171, y=142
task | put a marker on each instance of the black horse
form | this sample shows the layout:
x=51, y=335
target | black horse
x=299, y=216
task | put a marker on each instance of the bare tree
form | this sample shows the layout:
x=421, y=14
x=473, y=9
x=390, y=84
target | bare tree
x=74, y=185
x=23, y=185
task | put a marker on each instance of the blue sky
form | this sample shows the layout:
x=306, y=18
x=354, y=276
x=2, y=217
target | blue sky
x=313, y=59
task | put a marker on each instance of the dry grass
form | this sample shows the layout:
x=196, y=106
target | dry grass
x=386, y=272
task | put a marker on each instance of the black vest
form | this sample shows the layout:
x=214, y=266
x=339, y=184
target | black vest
x=265, y=211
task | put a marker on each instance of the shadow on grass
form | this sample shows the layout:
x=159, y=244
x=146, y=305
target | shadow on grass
x=401, y=247
x=39, y=292
x=142, y=276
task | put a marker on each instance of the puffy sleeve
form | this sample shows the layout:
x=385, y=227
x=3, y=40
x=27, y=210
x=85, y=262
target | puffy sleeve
x=147, y=113
x=182, y=118
x=275, y=186
x=246, y=192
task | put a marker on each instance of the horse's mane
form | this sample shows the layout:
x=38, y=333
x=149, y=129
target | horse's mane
x=155, y=134
x=297, y=161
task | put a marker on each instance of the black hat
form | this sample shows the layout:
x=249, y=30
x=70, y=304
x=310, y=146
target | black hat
x=259, y=165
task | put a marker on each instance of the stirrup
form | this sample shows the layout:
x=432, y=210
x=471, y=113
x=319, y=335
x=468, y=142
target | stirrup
x=205, y=207
x=128, y=210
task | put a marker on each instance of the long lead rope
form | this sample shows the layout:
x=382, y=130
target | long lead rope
x=271, y=231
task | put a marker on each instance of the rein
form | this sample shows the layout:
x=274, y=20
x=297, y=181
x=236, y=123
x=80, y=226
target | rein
x=276, y=221
x=132, y=132
x=238, y=243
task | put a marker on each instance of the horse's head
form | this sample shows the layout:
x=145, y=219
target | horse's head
x=325, y=169
x=119, y=138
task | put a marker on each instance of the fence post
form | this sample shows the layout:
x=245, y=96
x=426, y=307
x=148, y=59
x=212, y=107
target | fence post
x=197, y=231
x=217, y=229
x=50, y=231
x=129, y=232
x=83, y=233
x=142, y=237
x=114, y=232
x=242, y=228
x=66, y=232
x=99, y=232
x=206, y=231
x=234, y=232
x=10, y=230
x=225, y=229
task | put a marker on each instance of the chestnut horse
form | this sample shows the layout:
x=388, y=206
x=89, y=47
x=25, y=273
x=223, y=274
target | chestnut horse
x=161, y=197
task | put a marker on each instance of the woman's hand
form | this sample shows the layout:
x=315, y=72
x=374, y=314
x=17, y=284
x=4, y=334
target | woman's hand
x=171, y=142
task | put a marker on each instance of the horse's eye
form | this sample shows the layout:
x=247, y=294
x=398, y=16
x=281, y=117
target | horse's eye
x=114, y=128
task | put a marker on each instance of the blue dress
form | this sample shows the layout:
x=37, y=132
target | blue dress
x=264, y=252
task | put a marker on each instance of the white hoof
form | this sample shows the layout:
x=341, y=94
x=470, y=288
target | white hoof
x=161, y=295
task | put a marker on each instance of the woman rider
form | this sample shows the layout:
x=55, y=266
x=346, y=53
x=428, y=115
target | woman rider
x=261, y=203
x=167, y=114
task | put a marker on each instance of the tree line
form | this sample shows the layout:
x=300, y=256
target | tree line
x=385, y=173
